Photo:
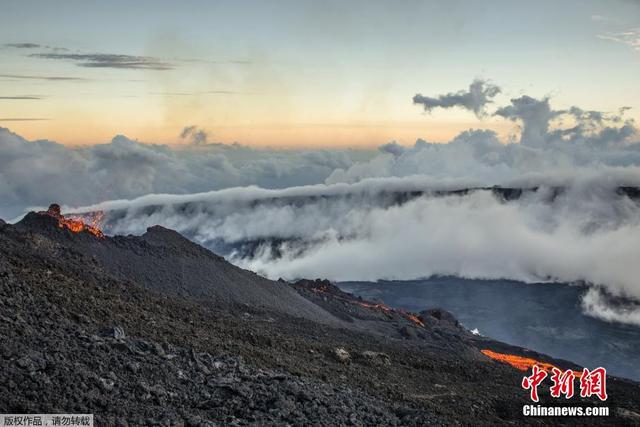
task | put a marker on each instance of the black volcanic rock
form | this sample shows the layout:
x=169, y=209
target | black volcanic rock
x=150, y=382
x=146, y=331
x=39, y=223
x=163, y=260
x=441, y=317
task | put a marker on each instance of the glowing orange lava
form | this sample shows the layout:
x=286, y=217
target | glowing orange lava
x=412, y=317
x=522, y=363
x=74, y=223
x=375, y=306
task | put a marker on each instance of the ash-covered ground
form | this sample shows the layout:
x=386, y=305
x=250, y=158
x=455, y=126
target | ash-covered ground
x=156, y=330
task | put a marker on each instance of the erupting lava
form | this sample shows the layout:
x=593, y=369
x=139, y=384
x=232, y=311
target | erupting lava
x=75, y=224
x=522, y=363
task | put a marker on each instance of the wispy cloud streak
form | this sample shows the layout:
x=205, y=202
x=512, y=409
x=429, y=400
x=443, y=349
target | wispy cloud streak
x=46, y=78
x=20, y=97
x=22, y=119
x=105, y=60
x=630, y=38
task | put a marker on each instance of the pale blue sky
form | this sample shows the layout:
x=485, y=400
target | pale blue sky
x=305, y=73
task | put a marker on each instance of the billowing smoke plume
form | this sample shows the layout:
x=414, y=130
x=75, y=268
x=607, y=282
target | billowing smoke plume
x=479, y=95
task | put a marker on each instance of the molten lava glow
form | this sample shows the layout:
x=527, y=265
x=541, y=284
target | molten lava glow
x=375, y=306
x=74, y=223
x=412, y=317
x=522, y=363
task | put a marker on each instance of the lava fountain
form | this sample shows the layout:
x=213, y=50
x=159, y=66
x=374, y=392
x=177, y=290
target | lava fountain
x=76, y=224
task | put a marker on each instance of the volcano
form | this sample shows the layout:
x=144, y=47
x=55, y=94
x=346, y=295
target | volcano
x=158, y=330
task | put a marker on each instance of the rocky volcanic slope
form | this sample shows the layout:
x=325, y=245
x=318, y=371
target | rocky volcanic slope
x=81, y=332
x=163, y=260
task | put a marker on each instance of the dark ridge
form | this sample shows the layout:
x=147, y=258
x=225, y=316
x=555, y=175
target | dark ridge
x=163, y=260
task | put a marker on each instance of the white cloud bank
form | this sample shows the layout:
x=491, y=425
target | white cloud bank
x=36, y=173
x=587, y=233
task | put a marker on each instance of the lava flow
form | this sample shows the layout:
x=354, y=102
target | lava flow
x=522, y=363
x=75, y=224
x=322, y=288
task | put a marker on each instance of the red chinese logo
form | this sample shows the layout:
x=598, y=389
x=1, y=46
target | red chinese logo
x=532, y=382
x=592, y=383
x=562, y=383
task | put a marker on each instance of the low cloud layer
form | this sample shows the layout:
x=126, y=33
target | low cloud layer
x=35, y=173
x=400, y=229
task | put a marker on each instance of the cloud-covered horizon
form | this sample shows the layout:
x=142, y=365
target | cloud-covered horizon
x=338, y=209
x=551, y=140
x=35, y=173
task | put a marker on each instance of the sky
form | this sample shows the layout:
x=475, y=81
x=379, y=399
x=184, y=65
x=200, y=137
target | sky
x=301, y=74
